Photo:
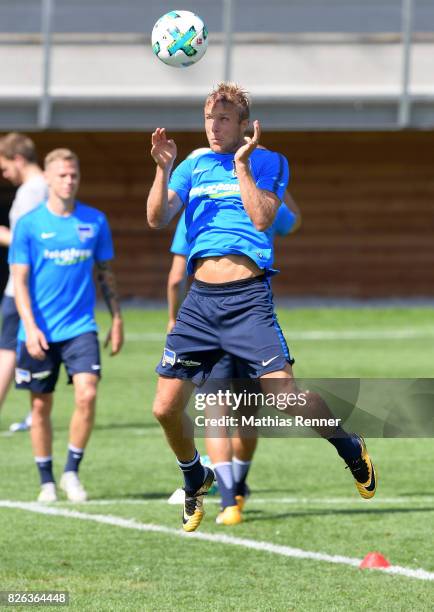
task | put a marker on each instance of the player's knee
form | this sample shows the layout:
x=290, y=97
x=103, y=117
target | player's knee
x=85, y=398
x=160, y=412
x=164, y=411
x=41, y=406
x=289, y=398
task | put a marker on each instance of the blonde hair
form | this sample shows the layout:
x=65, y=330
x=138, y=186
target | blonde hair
x=62, y=155
x=14, y=144
x=231, y=93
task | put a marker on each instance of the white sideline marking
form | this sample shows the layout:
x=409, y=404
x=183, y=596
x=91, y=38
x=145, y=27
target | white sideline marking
x=329, y=501
x=285, y=551
x=367, y=334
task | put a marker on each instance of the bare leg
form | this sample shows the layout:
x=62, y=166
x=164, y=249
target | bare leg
x=350, y=447
x=40, y=432
x=244, y=448
x=217, y=438
x=170, y=400
x=83, y=418
x=315, y=407
x=221, y=446
x=41, y=437
x=169, y=404
x=219, y=449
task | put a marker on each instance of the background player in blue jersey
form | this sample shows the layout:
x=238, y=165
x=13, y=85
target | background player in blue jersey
x=231, y=193
x=53, y=253
x=231, y=456
x=18, y=165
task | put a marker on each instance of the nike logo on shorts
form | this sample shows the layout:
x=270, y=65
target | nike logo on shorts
x=265, y=363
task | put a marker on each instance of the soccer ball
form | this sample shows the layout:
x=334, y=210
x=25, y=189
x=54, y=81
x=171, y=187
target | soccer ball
x=179, y=39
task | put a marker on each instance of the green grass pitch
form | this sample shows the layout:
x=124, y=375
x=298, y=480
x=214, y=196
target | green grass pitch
x=302, y=496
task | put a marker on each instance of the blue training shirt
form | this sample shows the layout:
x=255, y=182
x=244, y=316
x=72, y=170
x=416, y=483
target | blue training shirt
x=282, y=225
x=216, y=220
x=61, y=252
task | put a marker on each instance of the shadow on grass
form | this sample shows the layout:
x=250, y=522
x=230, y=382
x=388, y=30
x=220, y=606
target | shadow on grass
x=287, y=492
x=259, y=515
x=141, y=425
x=164, y=495
x=417, y=494
x=103, y=427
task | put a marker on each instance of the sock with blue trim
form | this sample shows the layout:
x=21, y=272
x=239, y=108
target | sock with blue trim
x=194, y=474
x=75, y=455
x=240, y=470
x=45, y=467
x=226, y=484
x=347, y=445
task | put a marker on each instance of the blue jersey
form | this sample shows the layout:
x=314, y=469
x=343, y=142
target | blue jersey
x=61, y=252
x=216, y=220
x=283, y=222
x=179, y=244
x=282, y=225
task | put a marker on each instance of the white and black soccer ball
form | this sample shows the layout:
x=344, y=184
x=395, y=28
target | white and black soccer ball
x=179, y=39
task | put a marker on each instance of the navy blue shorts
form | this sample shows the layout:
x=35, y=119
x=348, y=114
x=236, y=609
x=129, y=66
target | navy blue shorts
x=236, y=318
x=227, y=367
x=223, y=373
x=79, y=355
x=10, y=323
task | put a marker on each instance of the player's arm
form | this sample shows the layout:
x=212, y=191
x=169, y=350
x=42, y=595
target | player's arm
x=163, y=204
x=5, y=236
x=288, y=217
x=36, y=342
x=176, y=287
x=292, y=205
x=261, y=205
x=107, y=283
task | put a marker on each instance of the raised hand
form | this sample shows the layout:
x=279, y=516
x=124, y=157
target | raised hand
x=163, y=150
x=243, y=153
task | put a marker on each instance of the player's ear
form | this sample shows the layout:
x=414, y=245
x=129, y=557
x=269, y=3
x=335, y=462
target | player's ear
x=244, y=124
x=20, y=162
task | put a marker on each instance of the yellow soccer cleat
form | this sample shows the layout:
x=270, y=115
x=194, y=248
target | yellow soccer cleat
x=363, y=471
x=241, y=501
x=193, y=504
x=231, y=515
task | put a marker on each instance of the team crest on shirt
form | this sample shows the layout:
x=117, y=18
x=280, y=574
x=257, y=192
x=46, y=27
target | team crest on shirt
x=85, y=231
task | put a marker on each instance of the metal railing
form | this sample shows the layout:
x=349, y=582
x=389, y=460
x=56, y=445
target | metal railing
x=228, y=18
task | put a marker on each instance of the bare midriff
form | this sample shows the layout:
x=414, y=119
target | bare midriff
x=226, y=269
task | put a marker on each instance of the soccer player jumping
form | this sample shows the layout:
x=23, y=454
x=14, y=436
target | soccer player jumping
x=231, y=192
x=231, y=454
